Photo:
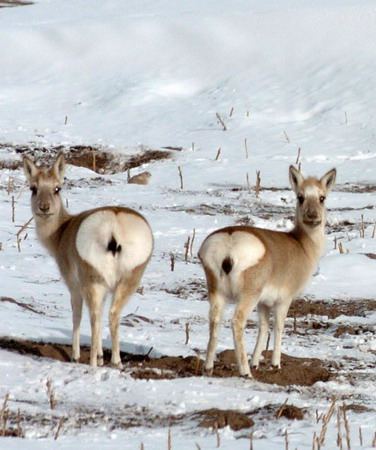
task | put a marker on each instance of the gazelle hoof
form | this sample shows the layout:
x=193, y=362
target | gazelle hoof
x=207, y=371
x=247, y=376
x=100, y=361
x=117, y=365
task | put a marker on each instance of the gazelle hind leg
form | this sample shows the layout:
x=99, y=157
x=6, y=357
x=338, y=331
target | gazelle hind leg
x=245, y=306
x=121, y=296
x=100, y=358
x=94, y=296
x=280, y=313
x=215, y=316
x=263, y=327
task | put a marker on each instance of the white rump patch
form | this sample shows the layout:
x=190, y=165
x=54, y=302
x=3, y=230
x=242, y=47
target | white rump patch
x=130, y=231
x=245, y=249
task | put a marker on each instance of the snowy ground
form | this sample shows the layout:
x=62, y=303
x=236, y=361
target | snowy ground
x=128, y=76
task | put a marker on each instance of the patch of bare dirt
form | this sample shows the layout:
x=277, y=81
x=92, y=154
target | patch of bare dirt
x=9, y=3
x=356, y=188
x=290, y=412
x=355, y=330
x=54, y=425
x=92, y=158
x=332, y=309
x=217, y=418
x=295, y=371
x=189, y=288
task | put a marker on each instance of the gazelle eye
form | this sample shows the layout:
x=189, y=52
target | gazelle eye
x=57, y=190
x=33, y=190
x=301, y=199
x=322, y=199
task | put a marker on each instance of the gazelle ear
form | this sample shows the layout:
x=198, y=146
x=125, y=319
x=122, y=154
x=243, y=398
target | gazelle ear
x=59, y=167
x=296, y=178
x=329, y=179
x=29, y=168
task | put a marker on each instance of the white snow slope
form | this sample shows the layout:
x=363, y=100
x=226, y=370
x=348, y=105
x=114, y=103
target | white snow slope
x=126, y=75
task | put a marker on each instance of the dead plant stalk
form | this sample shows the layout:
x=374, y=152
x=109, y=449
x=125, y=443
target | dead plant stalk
x=362, y=232
x=248, y=183
x=347, y=427
x=50, y=394
x=258, y=183
x=169, y=440
x=181, y=178
x=221, y=121
x=172, y=262
x=186, y=333
x=298, y=157
x=21, y=230
x=59, y=427
x=218, y=436
x=4, y=414
x=326, y=420
x=186, y=246
x=192, y=240
x=13, y=209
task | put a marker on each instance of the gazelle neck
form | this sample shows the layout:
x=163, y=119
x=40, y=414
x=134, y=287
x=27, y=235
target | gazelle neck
x=312, y=240
x=49, y=229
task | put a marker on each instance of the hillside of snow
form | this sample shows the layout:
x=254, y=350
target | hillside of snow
x=234, y=88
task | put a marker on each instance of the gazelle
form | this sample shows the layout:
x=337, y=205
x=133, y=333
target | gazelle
x=97, y=251
x=255, y=266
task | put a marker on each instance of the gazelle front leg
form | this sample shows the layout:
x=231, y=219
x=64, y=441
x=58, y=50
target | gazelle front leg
x=76, y=303
x=280, y=313
x=245, y=306
x=215, y=316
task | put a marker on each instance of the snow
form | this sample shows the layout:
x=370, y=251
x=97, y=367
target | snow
x=140, y=74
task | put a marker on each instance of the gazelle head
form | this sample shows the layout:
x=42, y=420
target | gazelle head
x=311, y=194
x=45, y=185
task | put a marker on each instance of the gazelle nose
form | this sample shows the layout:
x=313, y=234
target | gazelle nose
x=44, y=207
x=312, y=214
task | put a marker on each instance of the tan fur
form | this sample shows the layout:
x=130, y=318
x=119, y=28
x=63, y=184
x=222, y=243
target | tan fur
x=274, y=276
x=57, y=230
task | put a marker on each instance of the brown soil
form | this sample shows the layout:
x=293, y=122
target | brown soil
x=129, y=417
x=295, y=371
x=217, y=418
x=92, y=158
x=356, y=188
x=331, y=309
x=7, y=3
x=290, y=412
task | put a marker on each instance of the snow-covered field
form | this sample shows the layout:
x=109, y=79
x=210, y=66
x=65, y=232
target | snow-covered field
x=293, y=82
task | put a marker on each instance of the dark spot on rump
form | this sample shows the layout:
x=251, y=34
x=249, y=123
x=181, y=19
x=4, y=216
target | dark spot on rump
x=227, y=264
x=113, y=246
